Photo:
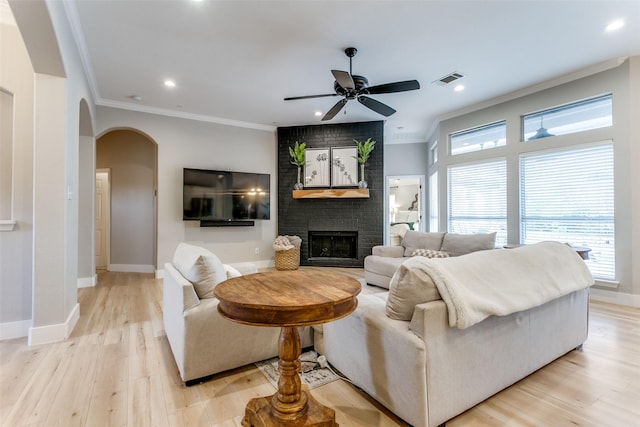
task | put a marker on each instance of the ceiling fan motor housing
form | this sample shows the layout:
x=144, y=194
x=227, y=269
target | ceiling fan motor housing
x=360, y=83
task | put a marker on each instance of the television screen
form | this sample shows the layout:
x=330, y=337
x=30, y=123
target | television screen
x=213, y=195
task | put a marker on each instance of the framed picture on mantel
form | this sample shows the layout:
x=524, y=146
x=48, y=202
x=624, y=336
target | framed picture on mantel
x=344, y=167
x=316, y=168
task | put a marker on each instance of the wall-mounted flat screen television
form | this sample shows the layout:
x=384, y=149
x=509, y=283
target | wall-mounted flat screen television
x=215, y=195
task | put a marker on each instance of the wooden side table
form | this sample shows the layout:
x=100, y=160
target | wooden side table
x=288, y=299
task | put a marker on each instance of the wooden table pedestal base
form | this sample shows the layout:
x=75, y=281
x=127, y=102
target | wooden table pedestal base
x=259, y=413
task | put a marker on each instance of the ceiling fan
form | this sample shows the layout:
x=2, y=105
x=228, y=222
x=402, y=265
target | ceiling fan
x=351, y=86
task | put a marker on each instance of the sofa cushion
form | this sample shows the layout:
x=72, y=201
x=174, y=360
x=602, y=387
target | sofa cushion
x=409, y=286
x=461, y=244
x=418, y=240
x=199, y=266
x=382, y=265
x=430, y=253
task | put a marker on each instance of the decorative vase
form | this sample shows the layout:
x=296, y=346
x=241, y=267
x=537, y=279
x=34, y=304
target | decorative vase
x=298, y=185
x=362, y=183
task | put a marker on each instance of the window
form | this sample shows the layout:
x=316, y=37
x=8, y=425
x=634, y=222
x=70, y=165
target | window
x=568, y=196
x=6, y=155
x=433, y=202
x=480, y=138
x=576, y=117
x=478, y=199
x=433, y=153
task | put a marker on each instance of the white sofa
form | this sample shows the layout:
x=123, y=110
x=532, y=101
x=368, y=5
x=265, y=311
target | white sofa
x=401, y=348
x=204, y=343
x=383, y=262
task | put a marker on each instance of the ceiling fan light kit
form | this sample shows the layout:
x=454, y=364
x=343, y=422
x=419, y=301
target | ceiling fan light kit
x=351, y=86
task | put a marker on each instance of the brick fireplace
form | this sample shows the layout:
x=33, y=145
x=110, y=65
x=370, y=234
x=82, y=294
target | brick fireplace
x=334, y=231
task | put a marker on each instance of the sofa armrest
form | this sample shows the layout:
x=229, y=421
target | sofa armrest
x=429, y=318
x=178, y=294
x=388, y=251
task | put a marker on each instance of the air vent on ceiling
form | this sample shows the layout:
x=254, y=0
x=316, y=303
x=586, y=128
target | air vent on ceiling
x=449, y=78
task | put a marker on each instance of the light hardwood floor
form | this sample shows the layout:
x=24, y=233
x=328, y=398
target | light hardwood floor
x=117, y=370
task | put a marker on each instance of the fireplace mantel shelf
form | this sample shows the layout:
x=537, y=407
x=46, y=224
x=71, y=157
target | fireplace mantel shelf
x=333, y=193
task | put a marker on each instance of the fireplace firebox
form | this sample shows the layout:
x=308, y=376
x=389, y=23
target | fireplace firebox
x=333, y=244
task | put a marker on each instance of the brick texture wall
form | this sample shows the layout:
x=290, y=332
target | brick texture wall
x=298, y=216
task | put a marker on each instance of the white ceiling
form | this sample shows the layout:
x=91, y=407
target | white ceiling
x=234, y=61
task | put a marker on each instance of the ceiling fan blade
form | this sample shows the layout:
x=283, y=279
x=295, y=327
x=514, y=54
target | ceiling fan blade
x=291, y=98
x=344, y=79
x=376, y=106
x=335, y=109
x=393, y=87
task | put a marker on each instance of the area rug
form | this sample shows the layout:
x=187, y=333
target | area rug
x=311, y=373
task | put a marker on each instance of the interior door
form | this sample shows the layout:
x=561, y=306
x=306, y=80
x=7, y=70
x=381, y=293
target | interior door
x=102, y=219
x=405, y=205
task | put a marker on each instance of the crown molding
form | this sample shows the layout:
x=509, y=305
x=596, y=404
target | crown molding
x=182, y=115
x=78, y=35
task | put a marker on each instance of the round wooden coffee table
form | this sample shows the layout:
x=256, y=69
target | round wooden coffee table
x=288, y=299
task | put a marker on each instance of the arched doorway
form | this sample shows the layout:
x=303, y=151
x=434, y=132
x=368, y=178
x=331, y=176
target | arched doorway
x=131, y=160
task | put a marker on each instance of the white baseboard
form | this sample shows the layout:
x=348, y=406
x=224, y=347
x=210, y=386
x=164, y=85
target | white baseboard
x=620, y=298
x=160, y=274
x=87, y=282
x=132, y=268
x=265, y=263
x=54, y=333
x=11, y=330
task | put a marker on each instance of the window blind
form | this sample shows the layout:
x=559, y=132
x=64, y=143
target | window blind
x=568, y=196
x=477, y=195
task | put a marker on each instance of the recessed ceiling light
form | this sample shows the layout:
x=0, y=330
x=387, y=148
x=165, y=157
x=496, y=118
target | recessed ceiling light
x=136, y=98
x=459, y=88
x=615, y=25
x=169, y=83
x=317, y=113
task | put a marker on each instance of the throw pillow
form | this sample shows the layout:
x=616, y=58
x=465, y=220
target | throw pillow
x=461, y=244
x=413, y=240
x=430, y=253
x=409, y=286
x=199, y=266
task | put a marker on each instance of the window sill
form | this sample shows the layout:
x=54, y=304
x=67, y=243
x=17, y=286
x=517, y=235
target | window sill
x=7, y=224
x=609, y=284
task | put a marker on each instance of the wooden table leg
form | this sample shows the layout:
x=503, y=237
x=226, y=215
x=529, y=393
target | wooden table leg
x=292, y=405
x=290, y=402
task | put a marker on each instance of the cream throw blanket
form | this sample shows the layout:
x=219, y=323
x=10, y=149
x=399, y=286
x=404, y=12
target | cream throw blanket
x=504, y=281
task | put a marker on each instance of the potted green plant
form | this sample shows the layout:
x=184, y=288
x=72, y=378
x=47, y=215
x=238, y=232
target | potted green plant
x=365, y=148
x=297, y=154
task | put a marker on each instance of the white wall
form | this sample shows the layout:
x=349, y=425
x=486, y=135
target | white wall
x=58, y=87
x=189, y=143
x=16, y=247
x=405, y=159
x=634, y=177
x=619, y=80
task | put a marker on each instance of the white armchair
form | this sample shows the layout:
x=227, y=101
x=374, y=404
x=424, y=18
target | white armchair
x=204, y=343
